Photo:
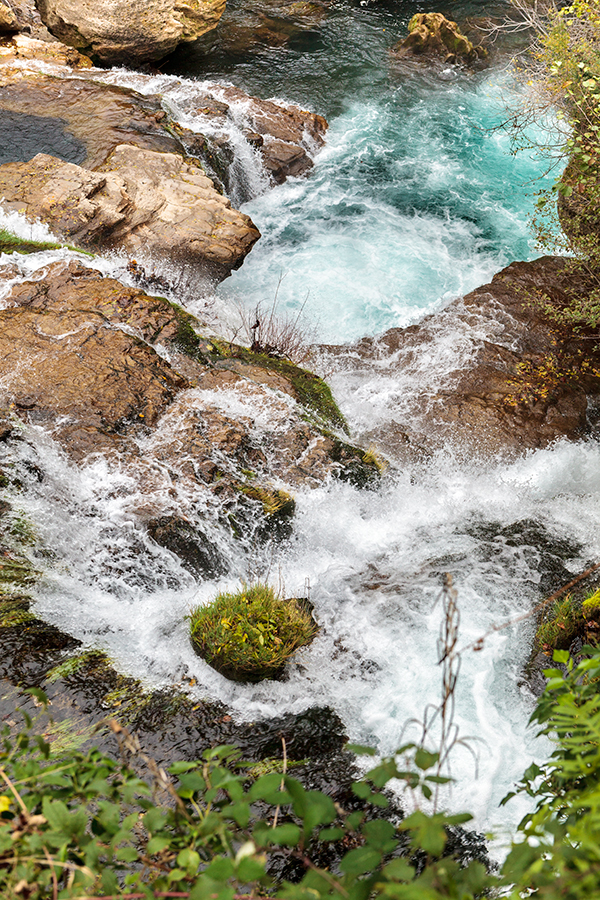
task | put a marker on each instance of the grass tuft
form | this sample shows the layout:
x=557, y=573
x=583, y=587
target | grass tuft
x=250, y=634
x=562, y=625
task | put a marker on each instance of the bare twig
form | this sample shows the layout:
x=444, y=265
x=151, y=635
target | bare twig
x=478, y=644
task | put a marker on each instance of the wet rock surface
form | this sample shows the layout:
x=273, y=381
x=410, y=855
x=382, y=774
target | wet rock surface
x=127, y=31
x=431, y=36
x=145, y=202
x=283, y=135
x=201, y=422
x=522, y=380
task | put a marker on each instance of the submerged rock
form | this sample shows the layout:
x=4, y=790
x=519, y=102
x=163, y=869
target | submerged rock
x=127, y=32
x=249, y=26
x=193, y=548
x=433, y=36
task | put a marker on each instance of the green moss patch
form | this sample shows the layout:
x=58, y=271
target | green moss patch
x=275, y=503
x=15, y=612
x=310, y=390
x=249, y=635
x=15, y=574
x=10, y=243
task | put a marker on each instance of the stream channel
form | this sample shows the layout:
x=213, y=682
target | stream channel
x=414, y=201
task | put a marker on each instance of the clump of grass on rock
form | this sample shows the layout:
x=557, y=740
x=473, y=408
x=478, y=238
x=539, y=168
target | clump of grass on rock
x=249, y=635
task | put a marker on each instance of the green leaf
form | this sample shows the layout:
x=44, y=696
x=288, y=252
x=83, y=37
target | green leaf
x=250, y=869
x=127, y=854
x=331, y=834
x=157, y=844
x=361, y=750
x=425, y=760
x=399, y=870
x=265, y=787
x=360, y=861
x=188, y=860
x=284, y=835
x=220, y=869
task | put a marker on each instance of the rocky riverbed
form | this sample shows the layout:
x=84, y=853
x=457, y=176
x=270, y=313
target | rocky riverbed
x=210, y=436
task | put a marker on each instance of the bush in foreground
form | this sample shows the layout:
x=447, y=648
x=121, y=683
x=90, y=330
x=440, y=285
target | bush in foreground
x=250, y=634
x=84, y=826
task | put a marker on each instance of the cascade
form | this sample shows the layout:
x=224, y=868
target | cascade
x=414, y=201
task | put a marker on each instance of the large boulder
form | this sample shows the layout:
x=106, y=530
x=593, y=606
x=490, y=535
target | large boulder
x=212, y=426
x=129, y=32
x=97, y=117
x=145, y=202
x=433, y=36
x=507, y=377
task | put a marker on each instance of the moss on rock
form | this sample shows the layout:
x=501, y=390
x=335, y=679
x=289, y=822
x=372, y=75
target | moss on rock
x=249, y=635
x=310, y=391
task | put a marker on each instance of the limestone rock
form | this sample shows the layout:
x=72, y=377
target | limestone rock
x=8, y=20
x=432, y=35
x=201, y=429
x=142, y=201
x=129, y=31
x=97, y=116
x=63, y=366
x=27, y=19
x=24, y=47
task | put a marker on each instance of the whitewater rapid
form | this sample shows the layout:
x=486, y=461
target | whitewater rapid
x=414, y=201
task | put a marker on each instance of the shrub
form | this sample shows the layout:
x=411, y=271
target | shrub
x=250, y=634
x=561, y=627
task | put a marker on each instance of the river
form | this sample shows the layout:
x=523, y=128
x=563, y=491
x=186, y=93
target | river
x=415, y=200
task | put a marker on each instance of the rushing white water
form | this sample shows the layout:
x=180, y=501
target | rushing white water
x=413, y=202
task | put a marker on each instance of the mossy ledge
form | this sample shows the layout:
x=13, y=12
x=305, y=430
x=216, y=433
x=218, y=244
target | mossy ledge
x=250, y=634
x=309, y=390
x=10, y=243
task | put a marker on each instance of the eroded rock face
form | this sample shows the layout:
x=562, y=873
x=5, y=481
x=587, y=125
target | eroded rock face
x=282, y=134
x=8, y=20
x=507, y=377
x=432, y=35
x=129, y=31
x=148, y=203
x=193, y=425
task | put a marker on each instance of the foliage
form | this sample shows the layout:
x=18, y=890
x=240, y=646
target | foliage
x=83, y=825
x=86, y=825
x=563, y=73
x=562, y=624
x=250, y=634
x=558, y=855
